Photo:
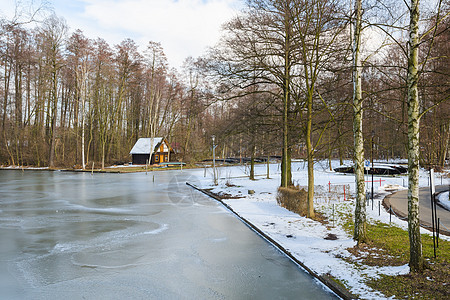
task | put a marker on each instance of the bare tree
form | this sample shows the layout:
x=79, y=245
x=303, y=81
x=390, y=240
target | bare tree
x=416, y=261
x=102, y=93
x=80, y=48
x=262, y=42
x=318, y=31
x=53, y=31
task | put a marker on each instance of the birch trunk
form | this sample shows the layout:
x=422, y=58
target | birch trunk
x=360, y=233
x=82, y=82
x=416, y=262
x=445, y=142
x=83, y=162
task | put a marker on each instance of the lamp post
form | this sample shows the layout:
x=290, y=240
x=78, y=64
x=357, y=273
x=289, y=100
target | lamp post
x=214, y=158
x=373, y=169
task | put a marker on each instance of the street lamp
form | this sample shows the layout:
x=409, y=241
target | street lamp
x=373, y=169
x=214, y=158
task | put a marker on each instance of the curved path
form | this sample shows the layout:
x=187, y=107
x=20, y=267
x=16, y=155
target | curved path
x=399, y=203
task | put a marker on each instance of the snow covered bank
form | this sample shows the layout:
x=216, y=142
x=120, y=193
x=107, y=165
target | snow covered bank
x=307, y=240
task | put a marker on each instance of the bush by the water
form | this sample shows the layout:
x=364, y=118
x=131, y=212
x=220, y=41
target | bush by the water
x=293, y=198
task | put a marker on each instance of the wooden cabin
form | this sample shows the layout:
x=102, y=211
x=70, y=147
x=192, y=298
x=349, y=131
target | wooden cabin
x=151, y=150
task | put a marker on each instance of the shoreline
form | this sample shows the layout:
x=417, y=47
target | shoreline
x=328, y=281
x=113, y=170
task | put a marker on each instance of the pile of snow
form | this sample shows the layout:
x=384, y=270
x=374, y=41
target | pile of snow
x=121, y=166
x=303, y=237
x=444, y=200
x=391, y=188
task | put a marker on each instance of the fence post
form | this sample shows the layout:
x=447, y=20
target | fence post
x=379, y=208
x=390, y=214
x=437, y=234
x=344, y=192
x=329, y=186
x=333, y=214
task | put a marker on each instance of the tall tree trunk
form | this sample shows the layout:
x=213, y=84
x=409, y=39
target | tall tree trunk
x=6, y=81
x=444, y=144
x=285, y=182
x=286, y=176
x=340, y=145
x=18, y=95
x=416, y=262
x=103, y=154
x=81, y=77
x=252, y=160
x=54, y=106
x=360, y=233
x=310, y=157
x=83, y=161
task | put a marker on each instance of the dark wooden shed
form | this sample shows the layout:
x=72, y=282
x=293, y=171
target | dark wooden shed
x=152, y=150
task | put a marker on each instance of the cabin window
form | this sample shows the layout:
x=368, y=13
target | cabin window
x=166, y=158
x=156, y=158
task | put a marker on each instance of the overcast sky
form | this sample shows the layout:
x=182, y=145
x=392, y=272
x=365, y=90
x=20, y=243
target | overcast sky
x=183, y=27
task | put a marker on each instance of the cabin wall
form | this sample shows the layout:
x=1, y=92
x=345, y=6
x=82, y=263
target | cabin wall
x=140, y=159
x=160, y=157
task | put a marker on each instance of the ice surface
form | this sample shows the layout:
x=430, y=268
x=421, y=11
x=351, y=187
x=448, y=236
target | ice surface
x=122, y=236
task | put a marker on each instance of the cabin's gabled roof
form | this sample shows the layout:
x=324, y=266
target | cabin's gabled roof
x=143, y=145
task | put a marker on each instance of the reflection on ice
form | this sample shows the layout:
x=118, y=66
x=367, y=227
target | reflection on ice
x=109, y=210
x=107, y=259
x=164, y=227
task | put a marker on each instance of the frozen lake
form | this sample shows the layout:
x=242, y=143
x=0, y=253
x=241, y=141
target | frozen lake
x=125, y=236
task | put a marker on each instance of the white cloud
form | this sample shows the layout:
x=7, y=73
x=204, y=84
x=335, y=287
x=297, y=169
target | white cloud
x=184, y=27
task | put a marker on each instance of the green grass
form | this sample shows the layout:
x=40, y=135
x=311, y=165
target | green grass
x=396, y=241
x=388, y=245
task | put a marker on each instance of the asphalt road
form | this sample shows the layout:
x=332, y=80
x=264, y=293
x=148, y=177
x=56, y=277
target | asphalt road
x=399, y=203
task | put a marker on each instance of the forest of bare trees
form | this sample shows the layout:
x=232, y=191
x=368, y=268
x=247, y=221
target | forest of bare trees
x=67, y=99
x=70, y=100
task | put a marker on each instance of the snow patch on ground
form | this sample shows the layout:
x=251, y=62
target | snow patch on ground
x=303, y=237
x=23, y=167
x=444, y=200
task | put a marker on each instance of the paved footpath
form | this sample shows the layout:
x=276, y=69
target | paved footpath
x=399, y=203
